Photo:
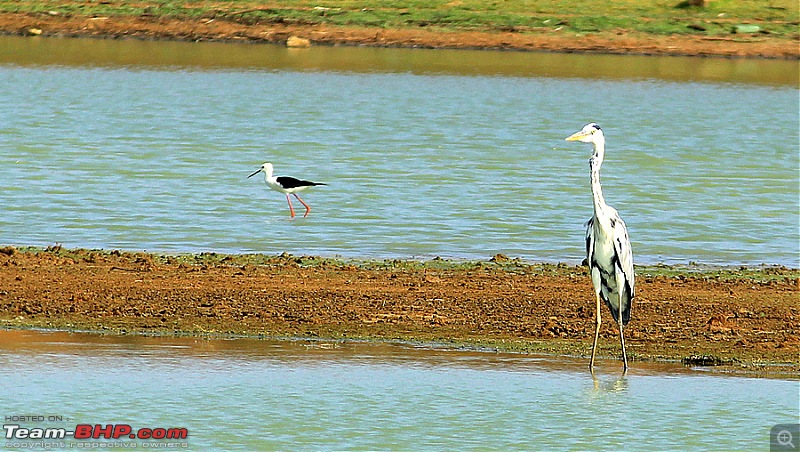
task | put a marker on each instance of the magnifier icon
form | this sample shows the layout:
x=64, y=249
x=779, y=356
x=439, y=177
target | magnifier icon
x=784, y=438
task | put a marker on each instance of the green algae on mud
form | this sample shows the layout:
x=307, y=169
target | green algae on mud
x=721, y=28
x=714, y=19
x=500, y=262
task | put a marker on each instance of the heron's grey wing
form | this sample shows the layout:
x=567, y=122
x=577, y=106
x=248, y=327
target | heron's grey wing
x=622, y=246
x=589, y=239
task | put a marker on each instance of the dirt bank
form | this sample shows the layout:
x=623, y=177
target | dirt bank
x=150, y=27
x=744, y=317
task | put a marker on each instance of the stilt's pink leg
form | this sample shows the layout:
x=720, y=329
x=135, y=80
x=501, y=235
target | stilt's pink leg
x=289, y=200
x=308, y=209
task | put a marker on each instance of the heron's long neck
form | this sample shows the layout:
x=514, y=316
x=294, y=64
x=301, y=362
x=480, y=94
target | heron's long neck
x=594, y=164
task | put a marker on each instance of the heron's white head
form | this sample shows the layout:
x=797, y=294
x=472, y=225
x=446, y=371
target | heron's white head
x=266, y=168
x=591, y=133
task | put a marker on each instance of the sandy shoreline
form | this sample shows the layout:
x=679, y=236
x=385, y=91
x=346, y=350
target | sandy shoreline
x=744, y=319
x=146, y=27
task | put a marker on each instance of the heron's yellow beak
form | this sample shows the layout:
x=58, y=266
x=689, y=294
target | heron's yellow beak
x=576, y=136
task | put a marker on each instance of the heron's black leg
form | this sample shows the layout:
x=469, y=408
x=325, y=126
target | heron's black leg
x=596, y=331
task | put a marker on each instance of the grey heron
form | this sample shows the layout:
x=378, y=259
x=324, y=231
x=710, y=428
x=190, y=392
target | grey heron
x=286, y=185
x=608, y=249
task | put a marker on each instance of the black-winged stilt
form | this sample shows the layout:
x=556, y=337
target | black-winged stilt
x=286, y=185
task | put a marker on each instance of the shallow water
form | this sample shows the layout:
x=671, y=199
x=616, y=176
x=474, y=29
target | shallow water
x=167, y=55
x=247, y=394
x=141, y=145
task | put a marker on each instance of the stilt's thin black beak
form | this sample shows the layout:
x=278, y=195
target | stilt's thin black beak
x=259, y=170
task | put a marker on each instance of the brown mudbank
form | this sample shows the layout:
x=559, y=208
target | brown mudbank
x=732, y=318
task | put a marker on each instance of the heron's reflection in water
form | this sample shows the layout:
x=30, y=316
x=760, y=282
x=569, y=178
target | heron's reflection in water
x=619, y=384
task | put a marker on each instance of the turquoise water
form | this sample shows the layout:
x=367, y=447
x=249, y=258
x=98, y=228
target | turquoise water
x=247, y=394
x=107, y=145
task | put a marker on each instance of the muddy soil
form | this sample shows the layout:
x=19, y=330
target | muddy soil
x=742, y=319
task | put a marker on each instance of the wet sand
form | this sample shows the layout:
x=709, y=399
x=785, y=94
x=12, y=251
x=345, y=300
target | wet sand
x=741, y=318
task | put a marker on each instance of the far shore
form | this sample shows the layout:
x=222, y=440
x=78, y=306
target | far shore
x=300, y=35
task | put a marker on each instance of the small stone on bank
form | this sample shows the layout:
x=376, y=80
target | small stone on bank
x=298, y=42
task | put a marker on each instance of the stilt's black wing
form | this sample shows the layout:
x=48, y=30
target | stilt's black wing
x=288, y=182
